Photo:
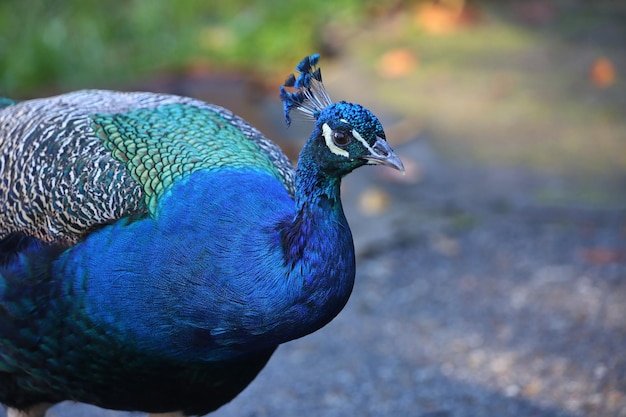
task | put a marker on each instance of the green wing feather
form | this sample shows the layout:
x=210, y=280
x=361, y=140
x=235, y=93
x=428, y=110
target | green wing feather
x=162, y=145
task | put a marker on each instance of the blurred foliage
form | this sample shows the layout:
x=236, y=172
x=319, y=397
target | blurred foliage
x=67, y=43
x=533, y=83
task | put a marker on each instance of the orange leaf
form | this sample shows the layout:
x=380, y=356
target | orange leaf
x=602, y=73
x=397, y=63
x=440, y=18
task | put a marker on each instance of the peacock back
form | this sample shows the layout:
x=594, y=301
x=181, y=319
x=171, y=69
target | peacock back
x=84, y=159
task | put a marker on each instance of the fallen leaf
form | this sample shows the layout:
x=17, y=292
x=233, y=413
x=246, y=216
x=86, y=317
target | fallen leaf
x=602, y=73
x=397, y=63
x=373, y=201
x=440, y=18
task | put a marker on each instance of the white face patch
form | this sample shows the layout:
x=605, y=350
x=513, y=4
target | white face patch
x=328, y=137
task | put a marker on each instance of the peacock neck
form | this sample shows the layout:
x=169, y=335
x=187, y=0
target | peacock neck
x=318, y=249
x=317, y=209
x=315, y=185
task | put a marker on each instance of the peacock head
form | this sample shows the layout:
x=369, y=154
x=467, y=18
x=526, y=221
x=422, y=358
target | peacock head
x=346, y=135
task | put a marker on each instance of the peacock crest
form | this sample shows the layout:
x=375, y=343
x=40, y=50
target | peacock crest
x=310, y=97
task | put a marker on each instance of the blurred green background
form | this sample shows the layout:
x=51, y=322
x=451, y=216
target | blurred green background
x=71, y=43
x=534, y=84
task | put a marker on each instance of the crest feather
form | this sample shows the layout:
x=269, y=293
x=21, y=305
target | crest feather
x=310, y=96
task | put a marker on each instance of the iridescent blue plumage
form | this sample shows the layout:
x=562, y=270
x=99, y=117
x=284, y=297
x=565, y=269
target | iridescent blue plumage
x=155, y=250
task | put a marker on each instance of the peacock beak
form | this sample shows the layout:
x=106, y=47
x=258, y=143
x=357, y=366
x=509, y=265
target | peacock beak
x=382, y=154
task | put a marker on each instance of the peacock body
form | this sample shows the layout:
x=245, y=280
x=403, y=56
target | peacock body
x=156, y=249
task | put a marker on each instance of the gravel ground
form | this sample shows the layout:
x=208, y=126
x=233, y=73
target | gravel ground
x=471, y=300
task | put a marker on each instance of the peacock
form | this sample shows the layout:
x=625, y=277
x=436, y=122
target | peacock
x=156, y=249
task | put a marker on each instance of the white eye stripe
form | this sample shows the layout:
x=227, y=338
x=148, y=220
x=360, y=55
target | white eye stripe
x=328, y=137
x=358, y=137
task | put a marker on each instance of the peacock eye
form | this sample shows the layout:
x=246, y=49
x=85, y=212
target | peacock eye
x=341, y=139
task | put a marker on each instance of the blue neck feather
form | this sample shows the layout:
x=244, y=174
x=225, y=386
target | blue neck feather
x=317, y=244
x=317, y=200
